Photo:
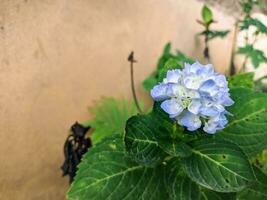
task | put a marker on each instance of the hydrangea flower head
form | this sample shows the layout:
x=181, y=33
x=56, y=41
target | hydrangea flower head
x=195, y=96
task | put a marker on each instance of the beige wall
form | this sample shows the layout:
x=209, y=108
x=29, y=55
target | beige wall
x=58, y=56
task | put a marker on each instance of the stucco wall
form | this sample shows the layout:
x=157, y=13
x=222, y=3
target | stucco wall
x=58, y=56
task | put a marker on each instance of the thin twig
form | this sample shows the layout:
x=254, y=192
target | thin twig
x=132, y=61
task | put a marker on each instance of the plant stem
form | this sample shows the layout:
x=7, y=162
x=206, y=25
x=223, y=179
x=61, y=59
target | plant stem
x=206, y=40
x=132, y=61
x=232, y=60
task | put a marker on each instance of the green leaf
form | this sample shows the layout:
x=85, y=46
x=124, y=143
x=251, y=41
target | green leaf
x=169, y=65
x=206, y=15
x=177, y=184
x=140, y=140
x=248, y=126
x=110, y=116
x=256, y=191
x=257, y=56
x=182, y=58
x=241, y=80
x=106, y=172
x=212, y=195
x=175, y=147
x=149, y=138
x=215, y=34
x=150, y=82
x=261, y=28
x=218, y=165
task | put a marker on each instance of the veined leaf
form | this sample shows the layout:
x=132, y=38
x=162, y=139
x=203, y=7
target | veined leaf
x=218, y=165
x=212, y=195
x=149, y=138
x=174, y=147
x=248, y=126
x=256, y=191
x=177, y=184
x=106, y=172
x=241, y=80
x=140, y=141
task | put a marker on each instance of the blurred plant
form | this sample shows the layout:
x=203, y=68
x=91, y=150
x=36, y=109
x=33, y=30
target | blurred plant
x=249, y=51
x=207, y=33
x=179, y=57
x=109, y=117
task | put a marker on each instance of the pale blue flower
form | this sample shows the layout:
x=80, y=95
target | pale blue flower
x=195, y=96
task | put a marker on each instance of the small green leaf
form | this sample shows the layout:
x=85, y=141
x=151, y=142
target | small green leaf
x=169, y=65
x=257, y=56
x=218, y=165
x=177, y=184
x=106, y=172
x=215, y=34
x=261, y=28
x=241, y=80
x=248, y=126
x=206, y=14
x=257, y=190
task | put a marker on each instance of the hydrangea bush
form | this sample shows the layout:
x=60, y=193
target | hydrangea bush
x=196, y=143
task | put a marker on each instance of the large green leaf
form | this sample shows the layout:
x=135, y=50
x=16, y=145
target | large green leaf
x=241, y=80
x=248, y=125
x=106, y=172
x=178, y=185
x=218, y=165
x=149, y=137
x=257, y=190
x=212, y=195
x=140, y=140
x=110, y=116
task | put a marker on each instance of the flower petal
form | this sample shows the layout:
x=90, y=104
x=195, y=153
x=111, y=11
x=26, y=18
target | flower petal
x=190, y=121
x=173, y=76
x=194, y=106
x=172, y=107
x=159, y=92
